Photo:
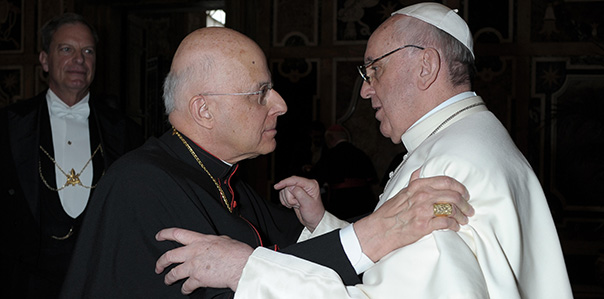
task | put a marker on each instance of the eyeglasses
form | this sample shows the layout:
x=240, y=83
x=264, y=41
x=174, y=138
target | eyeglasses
x=263, y=92
x=363, y=68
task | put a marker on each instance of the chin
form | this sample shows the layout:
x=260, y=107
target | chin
x=384, y=133
x=267, y=149
x=270, y=150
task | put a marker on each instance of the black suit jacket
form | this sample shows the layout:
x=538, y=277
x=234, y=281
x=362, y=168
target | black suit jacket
x=23, y=127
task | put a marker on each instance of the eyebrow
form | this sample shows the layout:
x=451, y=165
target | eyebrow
x=72, y=45
x=263, y=83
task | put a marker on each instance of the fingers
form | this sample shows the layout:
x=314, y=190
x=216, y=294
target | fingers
x=291, y=181
x=444, y=183
x=177, y=273
x=461, y=208
x=286, y=198
x=166, y=234
x=179, y=235
x=452, y=221
x=293, y=196
x=291, y=188
x=415, y=175
x=173, y=256
x=189, y=286
x=437, y=223
x=422, y=197
x=464, y=207
x=299, y=193
x=460, y=215
x=177, y=255
x=437, y=182
x=311, y=187
x=289, y=197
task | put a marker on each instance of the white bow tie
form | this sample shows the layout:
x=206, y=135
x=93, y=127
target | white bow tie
x=78, y=111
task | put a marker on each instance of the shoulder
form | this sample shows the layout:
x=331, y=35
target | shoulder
x=106, y=112
x=478, y=142
x=139, y=175
x=151, y=156
x=113, y=121
x=478, y=135
x=23, y=107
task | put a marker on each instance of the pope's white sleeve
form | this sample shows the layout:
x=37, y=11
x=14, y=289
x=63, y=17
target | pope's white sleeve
x=270, y=274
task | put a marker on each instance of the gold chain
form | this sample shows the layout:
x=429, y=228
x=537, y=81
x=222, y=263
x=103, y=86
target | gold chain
x=453, y=116
x=72, y=178
x=226, y=202
x=65, y=237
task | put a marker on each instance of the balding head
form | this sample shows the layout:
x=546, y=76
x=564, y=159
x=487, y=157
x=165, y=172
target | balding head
x=219, y=94
x=204, y=61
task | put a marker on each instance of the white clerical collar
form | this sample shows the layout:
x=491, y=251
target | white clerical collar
x=451, y=100
x=58, y=108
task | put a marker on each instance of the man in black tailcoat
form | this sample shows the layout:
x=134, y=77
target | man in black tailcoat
x=54, y=148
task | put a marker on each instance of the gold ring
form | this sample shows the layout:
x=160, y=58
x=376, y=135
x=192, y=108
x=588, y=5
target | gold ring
x=442, y=209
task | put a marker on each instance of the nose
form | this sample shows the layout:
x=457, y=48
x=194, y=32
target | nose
x=79, y=57
x=277, y=103
x=366, y=90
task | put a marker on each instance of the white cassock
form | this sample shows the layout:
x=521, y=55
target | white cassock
x=509, y=249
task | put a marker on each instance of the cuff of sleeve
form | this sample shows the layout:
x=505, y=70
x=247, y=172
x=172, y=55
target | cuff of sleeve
x=353, y=250
x=327, y=224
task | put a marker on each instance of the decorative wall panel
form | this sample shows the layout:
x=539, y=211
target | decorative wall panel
x=356, y=20
x=295, y=23
x=567, y=20
x=11, y=84
x=11, y=26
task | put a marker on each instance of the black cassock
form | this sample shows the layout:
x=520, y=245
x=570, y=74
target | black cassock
x=161, y=185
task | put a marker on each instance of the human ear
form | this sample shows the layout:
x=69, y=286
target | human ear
x=200, y=112
x=43, y=57
x=430, y=67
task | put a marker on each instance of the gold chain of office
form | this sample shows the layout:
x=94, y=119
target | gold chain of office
x=73, y=178
x=222, y=195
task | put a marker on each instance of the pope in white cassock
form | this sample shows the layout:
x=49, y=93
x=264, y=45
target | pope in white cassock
x=509, y=249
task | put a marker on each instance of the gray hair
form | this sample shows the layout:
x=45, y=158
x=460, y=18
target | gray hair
x=49, y=29
x=459, y=59
x=170, y=85
x=175, y=81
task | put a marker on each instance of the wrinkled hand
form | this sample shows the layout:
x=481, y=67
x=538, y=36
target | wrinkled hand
x=205, y=260
x=409, y=215
x=304, y=196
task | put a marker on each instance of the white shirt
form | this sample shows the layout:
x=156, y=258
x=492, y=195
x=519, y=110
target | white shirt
x=71, y=142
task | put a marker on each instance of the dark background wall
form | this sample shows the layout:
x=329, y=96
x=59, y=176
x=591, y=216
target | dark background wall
x=540, y=70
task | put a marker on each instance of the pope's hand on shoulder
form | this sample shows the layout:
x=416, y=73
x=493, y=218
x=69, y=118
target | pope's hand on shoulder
x=409, y=215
